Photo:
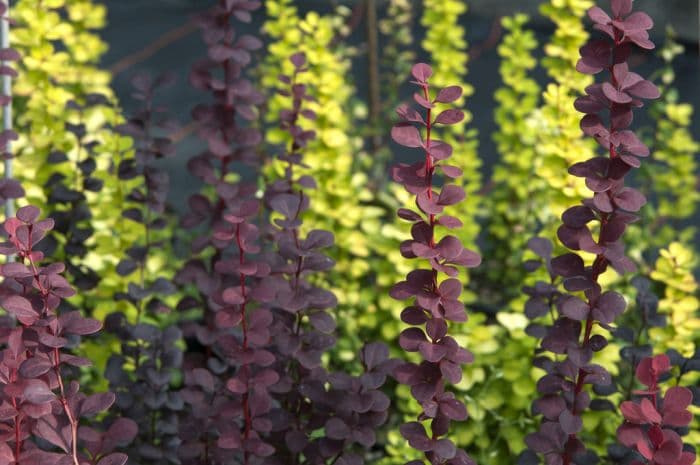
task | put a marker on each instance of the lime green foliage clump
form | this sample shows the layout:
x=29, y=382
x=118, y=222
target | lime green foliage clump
x=673, y=199
x=538, y=139
x=397, y=54
x=60, y=46
x=559, y=142
x=681, y=307
x=57, y=90
x=674, y=268
x=673, y=168
x=512, y=205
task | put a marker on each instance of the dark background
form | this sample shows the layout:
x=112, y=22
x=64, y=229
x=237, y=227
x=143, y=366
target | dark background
x=156, y=36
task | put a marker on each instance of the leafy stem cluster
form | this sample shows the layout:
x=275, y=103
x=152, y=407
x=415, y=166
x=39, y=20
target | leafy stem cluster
x=436, y=302
x=613, y=205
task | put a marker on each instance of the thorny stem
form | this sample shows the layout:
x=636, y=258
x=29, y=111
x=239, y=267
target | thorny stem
x=599, y=265
x=18, y=420
x=241, y=255
x=429, y=169
x=57, y=360
x=289, y=175
x=244, y=327
x=373, y=70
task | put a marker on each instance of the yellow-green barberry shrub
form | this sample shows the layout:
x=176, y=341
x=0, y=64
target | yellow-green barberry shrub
x=512, y=203
x=674, y=271
x=55, y=118
x=673, y=163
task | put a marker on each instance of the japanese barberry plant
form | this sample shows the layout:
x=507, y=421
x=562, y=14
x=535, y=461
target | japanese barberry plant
x=286, y=314
x=350, y=408
x=585, y=306
x=141, y=373
x=651, y=423
x=42, y=403
x=436, y=301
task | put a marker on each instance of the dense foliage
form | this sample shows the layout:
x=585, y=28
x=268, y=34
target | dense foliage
x=287, y=315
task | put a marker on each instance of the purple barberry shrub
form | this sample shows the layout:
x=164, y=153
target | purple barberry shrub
x=651, y=422
x=348, y=408
x=142, y=373
x=608, y=114
x=435, y=302
x=221, y=419
x=41, y=401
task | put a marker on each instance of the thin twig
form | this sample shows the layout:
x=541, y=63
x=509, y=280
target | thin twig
x=151, y=49
x=375, y=109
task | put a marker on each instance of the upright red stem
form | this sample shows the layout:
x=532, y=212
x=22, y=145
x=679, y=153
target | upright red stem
x=599, y=265
x=244, y=328
x=57, y=364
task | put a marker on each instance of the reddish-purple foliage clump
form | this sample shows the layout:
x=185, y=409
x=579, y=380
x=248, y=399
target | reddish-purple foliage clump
x=649, y=424
x=144, y=393
x=220, y=416
x=436, y=302
x=613, y=206
x=350, y=409
x=40, y=405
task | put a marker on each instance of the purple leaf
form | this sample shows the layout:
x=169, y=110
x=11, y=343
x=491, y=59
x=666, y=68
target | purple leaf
x=644, y=89
x=21, y=308
x=337, y=429
x=408, y=113
x=630, y=199
x=638, y=20
x=451, y=194
x=670, y=450
x=74, y=323
x=615, y=95
x=570, y=424
x=28, y=214
x=541, y=246
x=96, y=403
x=421, y=72
x=35, y=367
x=598, y=15
x=574, y=308
x=609, y=306
x=440, y=150
x=407, y=135
x=568, y=265
x=449, y=94
x=621, y=7
x=451, y=116
x=415, y=434
x=37, y=392
x=451, y=171
x=577, y=217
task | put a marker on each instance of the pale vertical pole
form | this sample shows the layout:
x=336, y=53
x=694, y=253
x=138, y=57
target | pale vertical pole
x=7, y=109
